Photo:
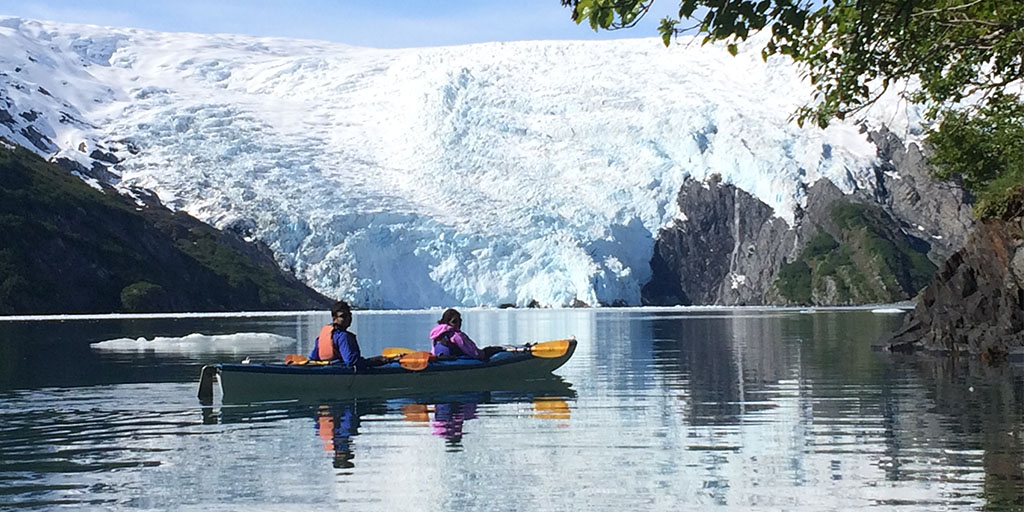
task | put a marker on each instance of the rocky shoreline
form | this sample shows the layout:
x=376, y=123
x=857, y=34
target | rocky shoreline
x=975, y=305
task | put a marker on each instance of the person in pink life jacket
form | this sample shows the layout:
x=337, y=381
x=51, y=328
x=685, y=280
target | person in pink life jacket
x=449, y=340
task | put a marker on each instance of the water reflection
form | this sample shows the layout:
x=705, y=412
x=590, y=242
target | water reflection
x=979, y=410
x=850, y=413
x=338, y=423
x=744, y=409
x=447, y=418
x=447, y=415
x=723, y=363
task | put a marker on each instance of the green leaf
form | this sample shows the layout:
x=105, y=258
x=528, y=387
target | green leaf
x=582, y=11
x=667, y=28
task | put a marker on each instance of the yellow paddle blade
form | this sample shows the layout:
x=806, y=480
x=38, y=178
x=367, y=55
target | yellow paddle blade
x=550, y=349
x=295, y=359
x=390, y=352
x=415, y=361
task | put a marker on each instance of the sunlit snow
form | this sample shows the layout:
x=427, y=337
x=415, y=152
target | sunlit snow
x=472, y=175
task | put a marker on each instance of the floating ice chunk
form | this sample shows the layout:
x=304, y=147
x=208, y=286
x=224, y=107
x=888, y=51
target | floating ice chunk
x=887, y=311
x=199, y=343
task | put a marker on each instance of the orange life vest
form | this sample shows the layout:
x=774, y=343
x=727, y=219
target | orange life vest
x=325, y=344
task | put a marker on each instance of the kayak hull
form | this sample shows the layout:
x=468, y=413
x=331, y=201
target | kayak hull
x=512, y=370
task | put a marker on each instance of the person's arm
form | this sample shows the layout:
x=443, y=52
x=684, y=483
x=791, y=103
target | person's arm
x=468, y=347
x=314, y=354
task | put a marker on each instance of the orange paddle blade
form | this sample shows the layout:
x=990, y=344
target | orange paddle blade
x=415, y=361
x=390, y=352
x=550, y=349
x=295, y=359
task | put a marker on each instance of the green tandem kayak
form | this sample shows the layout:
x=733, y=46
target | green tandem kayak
x=517, y=368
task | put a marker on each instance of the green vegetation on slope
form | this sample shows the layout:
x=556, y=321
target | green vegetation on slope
x=70, y=248
x=868, y=264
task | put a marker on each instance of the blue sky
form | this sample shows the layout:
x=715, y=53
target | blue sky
x=381, y=24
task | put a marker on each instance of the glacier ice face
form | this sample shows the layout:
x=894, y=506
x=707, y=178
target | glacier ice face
x=475, y=175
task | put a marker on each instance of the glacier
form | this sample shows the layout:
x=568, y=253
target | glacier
x=535, y=172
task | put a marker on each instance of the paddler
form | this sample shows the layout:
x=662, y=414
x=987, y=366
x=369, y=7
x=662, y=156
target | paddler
x=336, y=343
x=449, y=340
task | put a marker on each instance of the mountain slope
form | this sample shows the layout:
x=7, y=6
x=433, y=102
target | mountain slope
x=72, y=248
x=484, y=174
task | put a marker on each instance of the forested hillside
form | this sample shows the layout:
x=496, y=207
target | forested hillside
x=68, y=247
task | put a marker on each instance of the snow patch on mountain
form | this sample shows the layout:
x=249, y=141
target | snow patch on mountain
x=474, y=175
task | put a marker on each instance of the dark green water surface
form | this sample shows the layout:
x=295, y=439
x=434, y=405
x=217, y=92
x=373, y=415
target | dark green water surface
x=677, y=409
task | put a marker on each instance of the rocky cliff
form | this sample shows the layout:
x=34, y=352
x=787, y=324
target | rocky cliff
x=936, y=212
x=726, y=251
x=976, y=302
x=869, y=246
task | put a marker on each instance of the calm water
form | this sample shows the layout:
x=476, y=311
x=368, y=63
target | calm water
x=660, y=410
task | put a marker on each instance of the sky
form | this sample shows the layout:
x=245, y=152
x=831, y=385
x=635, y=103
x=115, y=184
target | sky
x=378, y=24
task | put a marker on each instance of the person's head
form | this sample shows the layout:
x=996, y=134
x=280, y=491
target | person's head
x=341, y=314
x=451, y=317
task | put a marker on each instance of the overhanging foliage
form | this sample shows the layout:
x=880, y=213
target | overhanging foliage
x=962, y=54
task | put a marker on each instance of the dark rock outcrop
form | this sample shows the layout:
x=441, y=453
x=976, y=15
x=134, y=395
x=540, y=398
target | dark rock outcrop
x=98, y=171
x=864, y=247
x=725, y=252
x=104, y=156
x=976, y=302
x=938, y=212
x=40, y=141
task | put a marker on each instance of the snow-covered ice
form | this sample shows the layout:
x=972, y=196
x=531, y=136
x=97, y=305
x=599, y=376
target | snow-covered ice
x=472, y=175
x=198, y=343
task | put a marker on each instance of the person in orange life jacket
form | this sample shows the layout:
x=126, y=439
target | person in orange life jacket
x=449, y=340
x=335, y=342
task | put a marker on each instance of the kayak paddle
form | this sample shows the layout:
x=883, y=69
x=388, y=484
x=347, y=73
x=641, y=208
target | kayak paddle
x=410, y=359
x=302, y=360
x=549, y=349
x=414, y=361
x=295, y=359
x=391, y=352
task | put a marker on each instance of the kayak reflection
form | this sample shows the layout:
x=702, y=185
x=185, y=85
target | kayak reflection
x=336, y=424
x=447, y=418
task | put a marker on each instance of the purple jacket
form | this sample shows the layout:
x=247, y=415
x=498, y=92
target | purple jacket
x=455, y=337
